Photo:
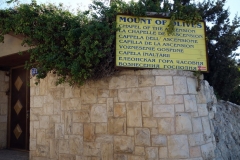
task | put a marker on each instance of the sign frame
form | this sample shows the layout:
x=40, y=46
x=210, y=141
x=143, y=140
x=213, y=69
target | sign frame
x=167, y=18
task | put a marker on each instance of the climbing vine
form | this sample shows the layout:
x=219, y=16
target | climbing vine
x=79, y=47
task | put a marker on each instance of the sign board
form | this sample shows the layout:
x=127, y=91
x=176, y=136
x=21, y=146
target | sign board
x=143, y=42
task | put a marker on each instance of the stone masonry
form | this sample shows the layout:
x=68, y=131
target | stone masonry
x=4, y=86
x=135, y=115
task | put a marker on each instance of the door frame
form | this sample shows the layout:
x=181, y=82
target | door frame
x=27, y=138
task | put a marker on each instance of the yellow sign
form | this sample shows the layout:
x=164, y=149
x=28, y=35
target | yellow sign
x=143, y=42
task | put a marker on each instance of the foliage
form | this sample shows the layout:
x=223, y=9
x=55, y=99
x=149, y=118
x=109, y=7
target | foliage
x=79, y=47
x=235, y=96
x=223, y=39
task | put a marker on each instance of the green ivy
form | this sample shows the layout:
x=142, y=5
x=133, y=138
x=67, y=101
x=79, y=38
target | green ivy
x=80, y=47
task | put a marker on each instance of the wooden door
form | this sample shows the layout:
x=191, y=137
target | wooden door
x=20, y=107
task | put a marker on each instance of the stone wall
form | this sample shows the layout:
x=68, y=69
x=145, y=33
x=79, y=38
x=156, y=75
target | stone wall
x=226, y=123
x=135, y=115
x=4, y=86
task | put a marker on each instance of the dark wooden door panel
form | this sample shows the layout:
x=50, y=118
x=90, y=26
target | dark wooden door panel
x=19, y=121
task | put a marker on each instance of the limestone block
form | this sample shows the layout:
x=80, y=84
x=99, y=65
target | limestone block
x=91, y=149
x=110, y=107
x=196, y=139
x=4, y=86
x=42, y=150
x=146, y=109
x=197, y=124
x=101, y=128
x=66, y=157
x=164, y=80
x=154, y=131
x=130, y=131
x=3, y=108
x=71, y=92
x=208, y=151
x=169, y=90
x=88, y=96
x=143, y=72
x=190, y=103
x=159, y=140
x=139, y=151
x=134, y=114
x=119, y=110
x=107, y=151
x=176, y=99
x=99, y=113
x=48, y=109
x=123, y=144
x=195, y=152
x=179, y=107
x=178, y=146
x=3, y=118
x=56, y=93
x=134, y=94
x=120, y=157
x=201, y=97
x=113, y=93
x=166, y=126
x=131, y=81
x=158, y=95
x=41, y=138
x=53, y=148
x=37, y=101
x=117, y=82
x=183, y=123
x=68, y=122
x=164, y=72
x=77, y=128
x=117, y=126
x=32, y=91
x=103, y=83
x=102, y=100
x=163, y=152
x=145, y=81
x=192, y=85
x=75, y=144
x=115, y=99
x=3, y=126
x=59, y=131
x=152, y=153
x=149, y=122
x=89, y=132
x=202, y=109
x=32, y=144
x=104, y=139
x=163, y=110
x=131, y=157
x=142, y=136
x=44, y=122
x=4, y=97
x=71, y=104
x=81, y=116
x=180, y=85
x=103, y=93
x=56, y=106
x=206, y=129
